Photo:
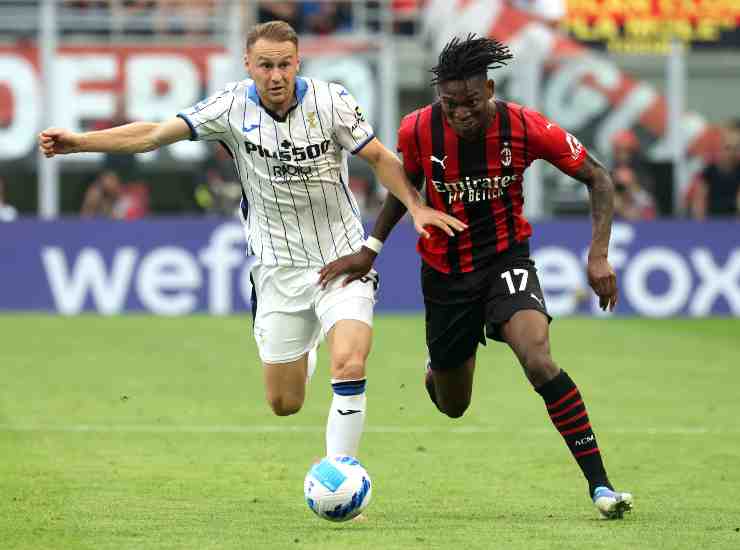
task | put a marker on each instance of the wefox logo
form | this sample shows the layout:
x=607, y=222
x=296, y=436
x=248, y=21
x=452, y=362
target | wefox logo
x=289, y=153
x=164, y=280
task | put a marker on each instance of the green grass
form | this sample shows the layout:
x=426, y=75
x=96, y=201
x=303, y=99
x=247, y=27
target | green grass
x=145, y=433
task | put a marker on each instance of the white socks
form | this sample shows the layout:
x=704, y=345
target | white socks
x=346, y=417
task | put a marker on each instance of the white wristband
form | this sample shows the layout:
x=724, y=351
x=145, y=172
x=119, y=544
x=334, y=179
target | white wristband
x=376, y=245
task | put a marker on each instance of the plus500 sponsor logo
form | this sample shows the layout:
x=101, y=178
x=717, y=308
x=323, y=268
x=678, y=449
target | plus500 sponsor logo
x=692, y=281
x=166, y=280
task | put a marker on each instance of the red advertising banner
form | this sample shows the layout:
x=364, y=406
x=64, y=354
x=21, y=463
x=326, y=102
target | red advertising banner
x=152, y=82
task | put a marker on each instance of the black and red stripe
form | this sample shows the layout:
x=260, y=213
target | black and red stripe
x=568, y=414
x=494, y=213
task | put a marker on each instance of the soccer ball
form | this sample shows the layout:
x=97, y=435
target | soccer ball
x=337, y=488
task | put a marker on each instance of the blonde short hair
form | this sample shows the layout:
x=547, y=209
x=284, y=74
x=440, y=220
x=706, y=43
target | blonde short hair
x=275, y=31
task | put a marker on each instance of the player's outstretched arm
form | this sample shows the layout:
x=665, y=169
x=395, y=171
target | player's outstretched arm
x=358, y=264
x=390, y=171
x=136, y=137
x=601, y=276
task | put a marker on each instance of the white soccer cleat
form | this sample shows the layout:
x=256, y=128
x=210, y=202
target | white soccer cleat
x=612, y=504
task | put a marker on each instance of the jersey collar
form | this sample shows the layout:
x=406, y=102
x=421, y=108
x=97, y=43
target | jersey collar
x=301, y=87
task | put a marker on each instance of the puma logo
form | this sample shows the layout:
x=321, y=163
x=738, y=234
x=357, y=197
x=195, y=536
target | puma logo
x=440, y=162
x=549, y=124
x=539, y=301
x=348, y=411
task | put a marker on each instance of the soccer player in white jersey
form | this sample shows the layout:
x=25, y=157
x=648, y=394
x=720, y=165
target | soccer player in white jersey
x=289, y=137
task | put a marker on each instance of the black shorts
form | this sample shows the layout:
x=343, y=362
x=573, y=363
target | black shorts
x=460, y=306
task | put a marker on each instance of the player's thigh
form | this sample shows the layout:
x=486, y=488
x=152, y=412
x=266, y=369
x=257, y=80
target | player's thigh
x=346, y=315
x=515, y=287
x=349, y=345
x=285, y=324
x=453, y=333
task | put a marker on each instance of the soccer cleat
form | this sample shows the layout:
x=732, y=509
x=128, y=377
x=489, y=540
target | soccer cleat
x=612, y=504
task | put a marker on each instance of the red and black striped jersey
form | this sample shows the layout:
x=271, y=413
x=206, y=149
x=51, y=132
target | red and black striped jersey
x=480, y=182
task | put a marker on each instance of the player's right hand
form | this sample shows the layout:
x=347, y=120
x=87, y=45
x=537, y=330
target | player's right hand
x=603, y=281
x=424, y=216
x=355, y=266
x=58, y=141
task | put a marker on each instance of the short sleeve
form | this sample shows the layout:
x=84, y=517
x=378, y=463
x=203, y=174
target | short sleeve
x=550, y=142
x=408, y=144
x=351, y=128
x=209, y=119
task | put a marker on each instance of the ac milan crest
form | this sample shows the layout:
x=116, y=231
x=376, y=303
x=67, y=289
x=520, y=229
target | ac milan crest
x=506, y=155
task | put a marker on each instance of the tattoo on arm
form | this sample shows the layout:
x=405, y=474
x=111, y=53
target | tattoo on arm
x=601, y=190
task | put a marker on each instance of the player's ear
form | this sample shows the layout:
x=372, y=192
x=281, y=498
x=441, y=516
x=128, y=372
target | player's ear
x=298, y=65
x=490, y=88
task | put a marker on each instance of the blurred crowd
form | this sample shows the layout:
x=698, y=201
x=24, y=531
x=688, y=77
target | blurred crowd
x=119, y=189
x=714, y=192
x=194, y=17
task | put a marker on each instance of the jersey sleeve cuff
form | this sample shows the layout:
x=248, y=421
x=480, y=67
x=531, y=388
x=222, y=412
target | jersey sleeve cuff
x=193, y=133
x=363, y=143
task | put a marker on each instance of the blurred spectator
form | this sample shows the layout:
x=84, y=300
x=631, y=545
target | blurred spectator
x=221, y=192
x=289, y=12
x=108, y=197
x=716, y=192
x=406, y=15
x=185, y=16
x=549, y=12
x=632, y=200
x=7, y=212
x=326, y=17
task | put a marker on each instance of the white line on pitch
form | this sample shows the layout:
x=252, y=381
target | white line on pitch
x=247, y=429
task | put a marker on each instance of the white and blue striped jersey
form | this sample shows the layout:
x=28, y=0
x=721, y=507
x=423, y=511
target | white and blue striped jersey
x=293, y=170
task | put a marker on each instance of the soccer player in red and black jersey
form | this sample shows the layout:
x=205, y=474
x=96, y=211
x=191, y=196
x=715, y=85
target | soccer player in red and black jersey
x=471, y=150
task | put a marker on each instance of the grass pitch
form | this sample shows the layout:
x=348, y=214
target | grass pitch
x=144, y=433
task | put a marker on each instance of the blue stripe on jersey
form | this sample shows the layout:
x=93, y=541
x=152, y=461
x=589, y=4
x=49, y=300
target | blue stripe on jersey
x=363, y=143
x=252, y=94
x=193, y=133
x=301, y=87
x=349, y=199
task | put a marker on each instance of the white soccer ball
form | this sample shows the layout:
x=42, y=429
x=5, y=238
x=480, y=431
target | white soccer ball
x=338, y=488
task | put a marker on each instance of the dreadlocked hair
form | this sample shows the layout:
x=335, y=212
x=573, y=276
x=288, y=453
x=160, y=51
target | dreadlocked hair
x=462, y=59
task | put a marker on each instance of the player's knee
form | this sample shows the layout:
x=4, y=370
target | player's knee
x=540, y=367
x=283, y=405
x=348, y=365
x=455, y=409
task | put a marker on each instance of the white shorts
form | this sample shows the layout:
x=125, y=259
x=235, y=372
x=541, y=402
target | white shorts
x=292, y=312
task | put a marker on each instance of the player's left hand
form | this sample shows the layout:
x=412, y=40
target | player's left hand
x=424, y=216
x=355, y=266
x=603, y=280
